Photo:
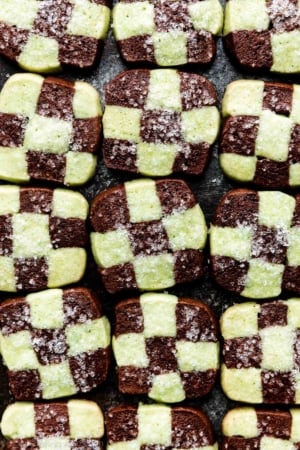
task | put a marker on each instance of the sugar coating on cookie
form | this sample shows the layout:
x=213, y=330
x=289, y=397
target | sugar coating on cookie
x=71, y=425
x=167, y=32
x=260, y=138
x=263, y=34
x=250, y=428
x=148, y=235
x=46, y=35
x=49, y=130
x=55, y=343
x=255, y=243
x=42, y=238
x=158, y=426
x=161, y=121
x=166, y=347
x=261, y=352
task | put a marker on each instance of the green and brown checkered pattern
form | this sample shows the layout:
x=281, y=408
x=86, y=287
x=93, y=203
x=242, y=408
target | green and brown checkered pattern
x=42, y=238
x=255, y=243
x=44, y=35
x=148, y=235
x=161, y=121
x=54, y=343
x=261, y=133
x=49, y=130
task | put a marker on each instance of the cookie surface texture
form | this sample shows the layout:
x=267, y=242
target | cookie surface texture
x=260, y=139
x=45, y=35
x=250, y=428
x=255, y=243
x=261, y=352
x=263, y=34
x=43, y=235
x=158, y=426
x=49, y=130
x=161, y=121
x=76, y=424
x=167, y=33
x=54, y=343
x=147, y=235
x=166, y=347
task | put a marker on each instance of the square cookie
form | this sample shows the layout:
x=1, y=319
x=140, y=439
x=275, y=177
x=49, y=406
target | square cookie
x=46, y=35
x=260, y=138
x=161, y=121
x=148, y=235
x=55, y=343
x=49, y=130
x=255, y=243
x=167, y=32
x=250, y=428
x=71, y=425
x=158, y=426
x=261, y=352
x=42, y=238
x=166, y=347
x=263, y=34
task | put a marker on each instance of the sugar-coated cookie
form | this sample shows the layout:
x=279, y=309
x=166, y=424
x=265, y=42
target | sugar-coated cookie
x=71, y=425
x=259, y=429
x=255, y=243
x=261, y=352
x=42, y=237
x=55, y=343
x=46, y=35
x=263, y=34
x=49, y=129
x=148, y=427
x=166, y=347
x=148, y=235
x=260, y=138
x=167, y=32
x=161, y=121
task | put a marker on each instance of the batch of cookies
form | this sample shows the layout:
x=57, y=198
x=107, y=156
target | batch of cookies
x=149, y=233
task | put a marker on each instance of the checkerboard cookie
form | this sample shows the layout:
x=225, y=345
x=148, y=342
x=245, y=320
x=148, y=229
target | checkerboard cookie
x=46, y=35
x=167, y=32
x=148, y=427
x=42, y=237
x=261, y=352
x=261, y=133
x=255, y=243
x=166, y=347
x=49, y=129
x=250, y=428
x=263, y=34
x=161, y=121
x=148, y=235
x=54, y=343
x=72, y=425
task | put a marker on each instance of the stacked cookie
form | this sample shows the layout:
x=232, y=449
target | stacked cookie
x=148, y=234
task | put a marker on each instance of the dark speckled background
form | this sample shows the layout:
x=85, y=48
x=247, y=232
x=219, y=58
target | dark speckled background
x=208, y=189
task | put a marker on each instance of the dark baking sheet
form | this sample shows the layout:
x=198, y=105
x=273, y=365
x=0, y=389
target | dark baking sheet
x=208, y=189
